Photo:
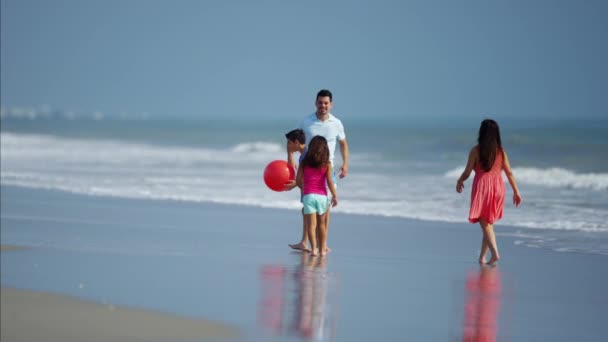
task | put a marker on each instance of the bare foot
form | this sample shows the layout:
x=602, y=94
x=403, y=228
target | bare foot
x=299, y=246
x=493, y=261
x=482, y=260
x=315, y=252
x=327, y=250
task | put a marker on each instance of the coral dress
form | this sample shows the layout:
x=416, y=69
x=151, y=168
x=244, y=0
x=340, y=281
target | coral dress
x=488, y=192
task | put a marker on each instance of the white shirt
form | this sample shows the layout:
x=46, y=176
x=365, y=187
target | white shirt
x=331, y=129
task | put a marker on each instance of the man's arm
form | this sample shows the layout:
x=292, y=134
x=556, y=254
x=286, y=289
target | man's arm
x=344, y=152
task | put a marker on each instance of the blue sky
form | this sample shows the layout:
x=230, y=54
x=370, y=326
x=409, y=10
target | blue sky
x=382, y=59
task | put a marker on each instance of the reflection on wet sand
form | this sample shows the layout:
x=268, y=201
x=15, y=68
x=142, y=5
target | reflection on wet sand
x=271, y=304
x=483, y=293
x=297, y=302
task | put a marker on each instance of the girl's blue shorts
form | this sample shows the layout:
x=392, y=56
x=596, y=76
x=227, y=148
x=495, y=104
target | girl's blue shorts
x=315, y=203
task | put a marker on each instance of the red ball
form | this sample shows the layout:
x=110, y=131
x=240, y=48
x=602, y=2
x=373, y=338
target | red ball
x=277, y=173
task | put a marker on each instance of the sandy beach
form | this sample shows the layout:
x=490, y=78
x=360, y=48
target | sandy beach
x=40, y=316
x=102, y=269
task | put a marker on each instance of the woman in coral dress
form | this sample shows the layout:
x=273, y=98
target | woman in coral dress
x=488, y=159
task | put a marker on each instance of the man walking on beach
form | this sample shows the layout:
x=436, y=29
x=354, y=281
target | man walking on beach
x=325, y=124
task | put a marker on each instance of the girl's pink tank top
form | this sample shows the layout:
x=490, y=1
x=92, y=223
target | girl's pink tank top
x=314, y=181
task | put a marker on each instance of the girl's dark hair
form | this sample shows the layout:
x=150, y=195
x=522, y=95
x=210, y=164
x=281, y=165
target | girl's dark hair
x=318, y=153
x=489, y=143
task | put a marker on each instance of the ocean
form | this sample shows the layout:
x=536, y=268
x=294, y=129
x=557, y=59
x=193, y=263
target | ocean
x=398, y=168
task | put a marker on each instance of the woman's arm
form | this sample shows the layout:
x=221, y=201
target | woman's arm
x=467, y=170
x=506, y=166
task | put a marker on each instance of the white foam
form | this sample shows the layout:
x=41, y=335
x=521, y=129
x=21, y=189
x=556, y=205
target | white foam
x=554, y=177
x=27, y=148
x=258, y=146
x=233, y=175
x=559, y=177
x=45, y=112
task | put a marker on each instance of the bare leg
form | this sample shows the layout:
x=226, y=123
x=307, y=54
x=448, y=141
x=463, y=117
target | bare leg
x=327, y=214
x=484, y=248
x=322, y=233
x=311, y=226
x=488, y=232
x=303, y=244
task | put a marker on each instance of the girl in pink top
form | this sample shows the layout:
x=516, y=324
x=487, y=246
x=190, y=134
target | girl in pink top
x=488, y=159
x=314, y=177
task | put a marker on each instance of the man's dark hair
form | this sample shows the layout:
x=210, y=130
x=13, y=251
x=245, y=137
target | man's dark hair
x=296, y=135
x=324, y=93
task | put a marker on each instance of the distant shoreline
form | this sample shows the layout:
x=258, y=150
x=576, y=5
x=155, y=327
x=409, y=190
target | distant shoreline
x=8, y=248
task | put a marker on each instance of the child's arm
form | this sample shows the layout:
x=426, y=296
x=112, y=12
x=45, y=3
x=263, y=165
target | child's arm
x=290, y=159
x=300, y=177
x=467, y=170
x=291, y=184
x=507, y=168
x=332, y=187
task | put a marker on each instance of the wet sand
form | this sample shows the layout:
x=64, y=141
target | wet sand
x=387, y=279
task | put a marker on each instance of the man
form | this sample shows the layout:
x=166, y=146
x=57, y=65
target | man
x=325, y=124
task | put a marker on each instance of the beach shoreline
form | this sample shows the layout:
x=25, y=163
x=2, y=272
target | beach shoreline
x=231, y=264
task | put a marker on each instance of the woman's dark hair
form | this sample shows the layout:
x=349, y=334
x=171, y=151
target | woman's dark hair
x=489, y=143
x=317, y=154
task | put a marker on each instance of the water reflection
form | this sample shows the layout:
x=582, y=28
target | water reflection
x=299, y=303
x=483, y=294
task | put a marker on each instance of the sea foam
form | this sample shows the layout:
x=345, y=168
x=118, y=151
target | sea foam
x=233, y=175
x=554, y=177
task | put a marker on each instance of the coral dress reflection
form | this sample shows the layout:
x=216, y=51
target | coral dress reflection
x=483, y=290
x=271, y=305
